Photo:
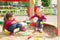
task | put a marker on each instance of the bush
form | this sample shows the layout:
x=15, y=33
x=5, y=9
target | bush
x=46, y=3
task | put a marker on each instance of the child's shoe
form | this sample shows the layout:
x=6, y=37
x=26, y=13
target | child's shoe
x=36, y=29
x=23, y=29
x=41, y=30
x=11, y=33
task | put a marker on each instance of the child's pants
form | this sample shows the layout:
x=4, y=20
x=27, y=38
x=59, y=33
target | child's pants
x=14, y=26
x=37, y=24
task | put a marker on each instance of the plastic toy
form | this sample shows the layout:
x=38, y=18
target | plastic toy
x=6, y=32
x=25, y=34
x=37, y=38
x=41, y=22
x=28, y=22
x=29, y=37
x=33, y=24
x=1, y=22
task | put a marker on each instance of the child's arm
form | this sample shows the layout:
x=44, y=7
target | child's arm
x=13, y=22
x=32, y=17
x=44, y=19
x=16, y=21
x=3, y=27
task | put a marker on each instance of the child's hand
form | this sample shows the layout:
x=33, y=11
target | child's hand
x=3, y=31
x=13, y=22
x=27, y=18
x=44, y=20
x=31, y=21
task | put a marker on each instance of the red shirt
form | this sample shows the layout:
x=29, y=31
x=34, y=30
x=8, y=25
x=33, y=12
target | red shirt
x=8, y=23
x=39, y=18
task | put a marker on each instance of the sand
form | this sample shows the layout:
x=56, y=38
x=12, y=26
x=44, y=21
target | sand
x=47, y=34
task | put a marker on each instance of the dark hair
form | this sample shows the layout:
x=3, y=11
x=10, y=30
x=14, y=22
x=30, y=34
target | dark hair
x=8, y=15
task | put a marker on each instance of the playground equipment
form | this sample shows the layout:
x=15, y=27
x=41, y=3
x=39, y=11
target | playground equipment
x=28, y=11
x=14, y=1
x=33, y=1
x=46, y=25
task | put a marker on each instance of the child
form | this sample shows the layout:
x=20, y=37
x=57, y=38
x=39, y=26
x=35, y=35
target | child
x=41, y=17
x=10, y=23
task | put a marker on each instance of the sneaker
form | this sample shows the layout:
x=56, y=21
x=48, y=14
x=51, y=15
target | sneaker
x=11, y=33
x=36, y=29
x=41, y=30
x=23, y=29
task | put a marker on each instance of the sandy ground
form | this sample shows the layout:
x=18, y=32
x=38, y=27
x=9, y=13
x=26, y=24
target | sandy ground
x=47, y=34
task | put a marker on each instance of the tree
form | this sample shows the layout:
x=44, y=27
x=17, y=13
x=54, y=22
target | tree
x=1, y=3
x=45, y=3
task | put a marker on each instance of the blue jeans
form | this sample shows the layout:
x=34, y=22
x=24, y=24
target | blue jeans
x=14, y=26
x=37, y=24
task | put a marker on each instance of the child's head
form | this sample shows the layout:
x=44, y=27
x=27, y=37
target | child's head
x=39, y=12
x=9, y=16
